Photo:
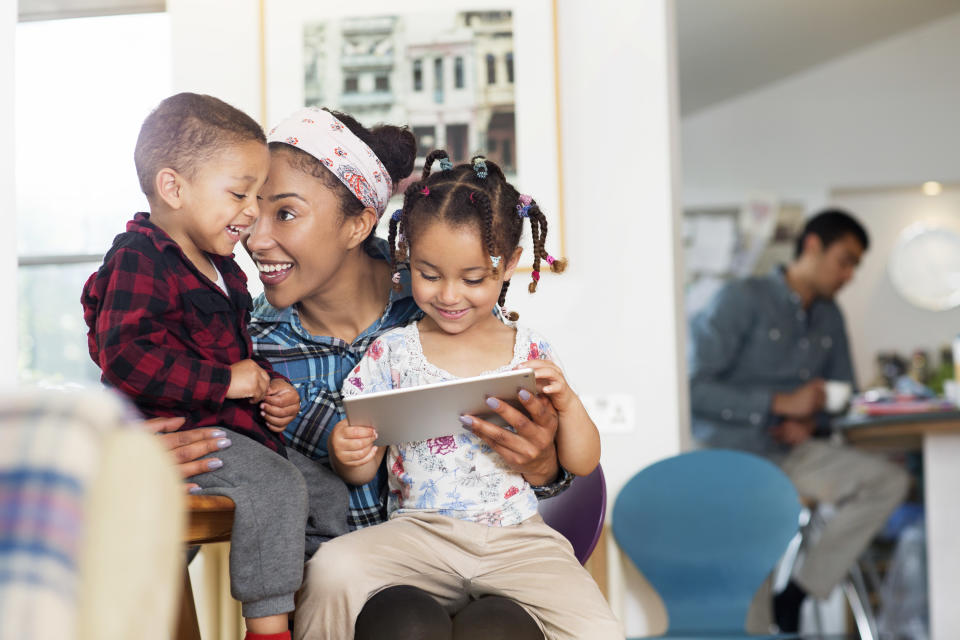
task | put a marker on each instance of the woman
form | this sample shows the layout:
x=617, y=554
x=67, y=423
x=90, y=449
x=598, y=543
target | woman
x=328, y=293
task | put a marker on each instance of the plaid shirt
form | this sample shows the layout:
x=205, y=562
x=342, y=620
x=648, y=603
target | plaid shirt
x=317, y=367
x=165, y=335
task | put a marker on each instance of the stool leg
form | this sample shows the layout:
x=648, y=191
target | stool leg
x=187, y=626
x=856, y=591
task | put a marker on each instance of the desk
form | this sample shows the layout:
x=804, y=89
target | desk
x=937, y=434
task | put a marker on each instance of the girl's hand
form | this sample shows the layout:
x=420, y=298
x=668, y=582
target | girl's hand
x=352, y=446
x=281, y=404
x=550, y=381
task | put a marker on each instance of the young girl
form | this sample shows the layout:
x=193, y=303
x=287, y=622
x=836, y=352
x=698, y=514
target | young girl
x=463, y=524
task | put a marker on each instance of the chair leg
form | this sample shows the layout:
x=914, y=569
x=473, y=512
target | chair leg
x=855, y=590
x=188, y=628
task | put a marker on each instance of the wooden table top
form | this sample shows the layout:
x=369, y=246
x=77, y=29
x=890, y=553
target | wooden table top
x=899, y=430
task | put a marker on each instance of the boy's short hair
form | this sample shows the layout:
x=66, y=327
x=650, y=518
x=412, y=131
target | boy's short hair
x=831, y=225
x=186, y=130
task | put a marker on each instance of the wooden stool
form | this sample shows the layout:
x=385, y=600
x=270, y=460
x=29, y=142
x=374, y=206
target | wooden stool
x=209, y=519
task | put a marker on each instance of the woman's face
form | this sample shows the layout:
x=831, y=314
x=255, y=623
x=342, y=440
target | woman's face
x=298, y=243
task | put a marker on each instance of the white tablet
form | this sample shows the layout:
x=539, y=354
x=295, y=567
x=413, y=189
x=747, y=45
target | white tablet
x=434, y=410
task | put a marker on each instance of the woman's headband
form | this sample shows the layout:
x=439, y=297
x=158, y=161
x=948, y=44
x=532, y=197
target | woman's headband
x=321, y=135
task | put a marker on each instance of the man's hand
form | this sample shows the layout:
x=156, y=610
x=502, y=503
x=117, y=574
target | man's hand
x=531, y=450
x=188, y=446
x=281, y=404
x=793, y=432
x=801, y=403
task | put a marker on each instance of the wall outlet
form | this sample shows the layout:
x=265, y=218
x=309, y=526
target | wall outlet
x=612, y=412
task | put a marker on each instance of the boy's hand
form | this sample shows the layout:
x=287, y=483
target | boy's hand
x=248, y=380
x=550, y=381
x=280, y=405
x=351, y=446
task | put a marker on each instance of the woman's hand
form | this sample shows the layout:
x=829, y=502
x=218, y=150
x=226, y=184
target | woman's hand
x=530, y=451
x=188, y=446
x=281, y=404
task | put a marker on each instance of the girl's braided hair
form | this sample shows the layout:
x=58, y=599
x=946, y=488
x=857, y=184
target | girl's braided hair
x=472, y=194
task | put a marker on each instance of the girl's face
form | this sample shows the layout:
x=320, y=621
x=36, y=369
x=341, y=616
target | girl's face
x=299, y=242
x=451, y=277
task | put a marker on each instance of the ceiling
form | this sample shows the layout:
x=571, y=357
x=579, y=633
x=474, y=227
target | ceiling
x=729, y=47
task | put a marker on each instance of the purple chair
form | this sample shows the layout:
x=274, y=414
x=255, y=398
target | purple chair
x=578, y=512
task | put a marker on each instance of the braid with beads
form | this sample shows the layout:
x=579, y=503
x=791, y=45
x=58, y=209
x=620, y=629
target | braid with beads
x=482, y=202
x=436, y=154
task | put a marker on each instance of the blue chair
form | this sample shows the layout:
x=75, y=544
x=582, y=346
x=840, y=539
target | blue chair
x=706, y=528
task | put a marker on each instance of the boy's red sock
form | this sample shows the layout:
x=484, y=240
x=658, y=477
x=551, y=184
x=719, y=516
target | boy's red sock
x=285, y=635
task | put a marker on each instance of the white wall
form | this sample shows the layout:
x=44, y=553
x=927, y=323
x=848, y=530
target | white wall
x=8, y=240
x=883, y=319
x=885, y=115
x=615, y=313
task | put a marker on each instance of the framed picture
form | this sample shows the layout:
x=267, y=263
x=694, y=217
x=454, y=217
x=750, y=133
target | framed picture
x=465, y=76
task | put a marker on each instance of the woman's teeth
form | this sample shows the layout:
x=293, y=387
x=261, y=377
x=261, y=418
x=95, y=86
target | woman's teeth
x=270, y=268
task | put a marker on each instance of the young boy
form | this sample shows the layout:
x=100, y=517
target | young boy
x=167, y=314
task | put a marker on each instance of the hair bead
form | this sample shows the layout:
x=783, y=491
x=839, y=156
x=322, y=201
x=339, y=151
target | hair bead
x=480, y=167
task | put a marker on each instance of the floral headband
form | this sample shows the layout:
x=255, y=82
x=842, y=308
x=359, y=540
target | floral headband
x=320, y=134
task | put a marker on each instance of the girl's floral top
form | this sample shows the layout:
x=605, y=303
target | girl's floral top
x=456, y=475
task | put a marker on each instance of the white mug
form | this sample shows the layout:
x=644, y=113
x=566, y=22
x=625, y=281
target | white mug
x=838, y=395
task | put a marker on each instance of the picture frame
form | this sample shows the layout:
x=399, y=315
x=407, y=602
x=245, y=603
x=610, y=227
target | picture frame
x=294, y=30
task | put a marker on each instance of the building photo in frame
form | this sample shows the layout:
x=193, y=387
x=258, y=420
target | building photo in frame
x=466, y=78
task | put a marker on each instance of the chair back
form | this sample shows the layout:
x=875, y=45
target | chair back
x=578, y=512
x=706, y=528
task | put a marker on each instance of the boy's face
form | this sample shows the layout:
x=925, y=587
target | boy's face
x=220, y=201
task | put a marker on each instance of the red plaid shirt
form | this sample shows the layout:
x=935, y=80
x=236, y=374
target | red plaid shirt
x=165, y=335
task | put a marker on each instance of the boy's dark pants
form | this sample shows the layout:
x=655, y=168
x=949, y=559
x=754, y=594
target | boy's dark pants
x=277, y=501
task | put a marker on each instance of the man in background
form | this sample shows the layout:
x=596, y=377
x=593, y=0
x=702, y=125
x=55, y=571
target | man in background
x=760, y=353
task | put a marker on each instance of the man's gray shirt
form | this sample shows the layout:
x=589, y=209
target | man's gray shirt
x=755, y=339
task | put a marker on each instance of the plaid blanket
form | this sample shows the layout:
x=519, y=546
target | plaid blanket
x=49, y=452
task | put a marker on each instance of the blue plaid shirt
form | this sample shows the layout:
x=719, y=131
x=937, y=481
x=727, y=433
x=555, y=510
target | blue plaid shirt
x=317, y=367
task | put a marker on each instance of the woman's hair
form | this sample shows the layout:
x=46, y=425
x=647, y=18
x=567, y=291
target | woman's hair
x=475, y=194
x=396, y=147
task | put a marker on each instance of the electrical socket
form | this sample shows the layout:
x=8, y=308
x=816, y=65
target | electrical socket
x=612, y=412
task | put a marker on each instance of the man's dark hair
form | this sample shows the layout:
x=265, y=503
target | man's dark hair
x=831, y=225
x=186, y=130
